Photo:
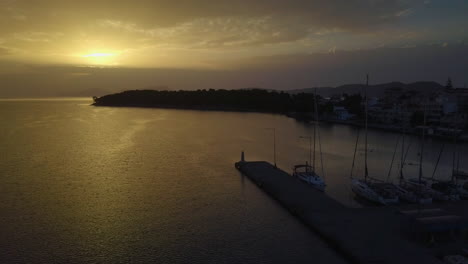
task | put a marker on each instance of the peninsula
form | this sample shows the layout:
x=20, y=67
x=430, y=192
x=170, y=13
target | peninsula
x=423, y=105
x=248, y=100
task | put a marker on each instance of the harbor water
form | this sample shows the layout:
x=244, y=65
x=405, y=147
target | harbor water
x=91, y=184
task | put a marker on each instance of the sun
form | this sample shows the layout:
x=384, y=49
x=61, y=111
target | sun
x=100, y=58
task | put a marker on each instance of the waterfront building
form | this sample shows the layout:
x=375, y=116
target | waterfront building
x=341, y=113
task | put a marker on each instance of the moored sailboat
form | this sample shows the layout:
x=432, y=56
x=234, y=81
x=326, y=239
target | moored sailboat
x=307, y=173
x=403, y=193
x=368, y=188
x=447, y=187
x=459, y=177
x=418, y=185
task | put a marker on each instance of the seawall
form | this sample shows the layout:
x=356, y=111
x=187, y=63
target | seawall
x=359, y=235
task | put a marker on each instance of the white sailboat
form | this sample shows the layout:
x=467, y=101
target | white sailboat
x=404, y=193
x=419, y=186
x=368, y=188
x=307, y=173
x=459, y=177
x=446, y=187
x=364, y=189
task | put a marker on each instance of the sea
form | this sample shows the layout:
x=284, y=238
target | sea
x=85, y=184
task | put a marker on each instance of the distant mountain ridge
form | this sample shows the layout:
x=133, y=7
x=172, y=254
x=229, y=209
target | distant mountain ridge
x=377, y=90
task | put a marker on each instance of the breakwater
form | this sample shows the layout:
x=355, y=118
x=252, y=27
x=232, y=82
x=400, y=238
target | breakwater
x=367, y=235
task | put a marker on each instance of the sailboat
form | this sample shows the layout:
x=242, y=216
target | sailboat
x=403, y=193
x=419, y=186
x=446, y=187
x=307, y=173
x=368, y=188
x=459, y=177
x=450, y=187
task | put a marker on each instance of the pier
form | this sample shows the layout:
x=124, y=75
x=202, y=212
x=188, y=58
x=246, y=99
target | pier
x=360, y=235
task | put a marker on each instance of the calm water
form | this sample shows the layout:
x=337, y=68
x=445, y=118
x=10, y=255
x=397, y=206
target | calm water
x=116, y=185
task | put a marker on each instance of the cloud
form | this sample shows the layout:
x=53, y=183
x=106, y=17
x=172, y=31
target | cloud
x=187, y=33
x=5, y=51
x=217, y=32
x=404, y=13
x=170, y=12
x=145, y=15
x=37, y=36
x=279, y=72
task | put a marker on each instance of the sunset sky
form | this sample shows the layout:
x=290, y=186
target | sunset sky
x=57, y=47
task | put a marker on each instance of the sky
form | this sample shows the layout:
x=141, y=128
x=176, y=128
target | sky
x=61, y=48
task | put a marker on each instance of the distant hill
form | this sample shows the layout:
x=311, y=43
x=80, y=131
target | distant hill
x=373, y=90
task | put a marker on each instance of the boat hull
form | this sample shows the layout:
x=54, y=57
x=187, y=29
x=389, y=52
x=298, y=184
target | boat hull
x=364, y=190
x=314, y=180
x=411, y=197
x=422, y=189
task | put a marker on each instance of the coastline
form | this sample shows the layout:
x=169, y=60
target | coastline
x=300, y=117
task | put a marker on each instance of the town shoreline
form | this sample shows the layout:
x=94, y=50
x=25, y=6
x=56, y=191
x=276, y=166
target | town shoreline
x=302, y=118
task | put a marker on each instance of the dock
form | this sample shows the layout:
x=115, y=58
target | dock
x=360, y=235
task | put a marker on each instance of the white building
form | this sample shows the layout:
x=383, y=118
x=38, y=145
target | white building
x=341, y=113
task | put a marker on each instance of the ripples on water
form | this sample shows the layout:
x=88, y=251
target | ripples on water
x=116, y=185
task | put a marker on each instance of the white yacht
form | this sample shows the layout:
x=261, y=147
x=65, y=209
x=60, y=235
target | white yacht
x=371, y=189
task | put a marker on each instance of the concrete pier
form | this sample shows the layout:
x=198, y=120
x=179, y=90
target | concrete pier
x=366, y=235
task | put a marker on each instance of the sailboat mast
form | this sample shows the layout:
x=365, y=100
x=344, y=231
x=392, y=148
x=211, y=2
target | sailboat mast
x=354, y=155
x=315, y=123
x=458, y=163
x=455, y=149
x=453, y=160
x=274, y=146
x=402, y=162
x=422, y=145
x=438, y=160
x=366, y=174
x=310, y=151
